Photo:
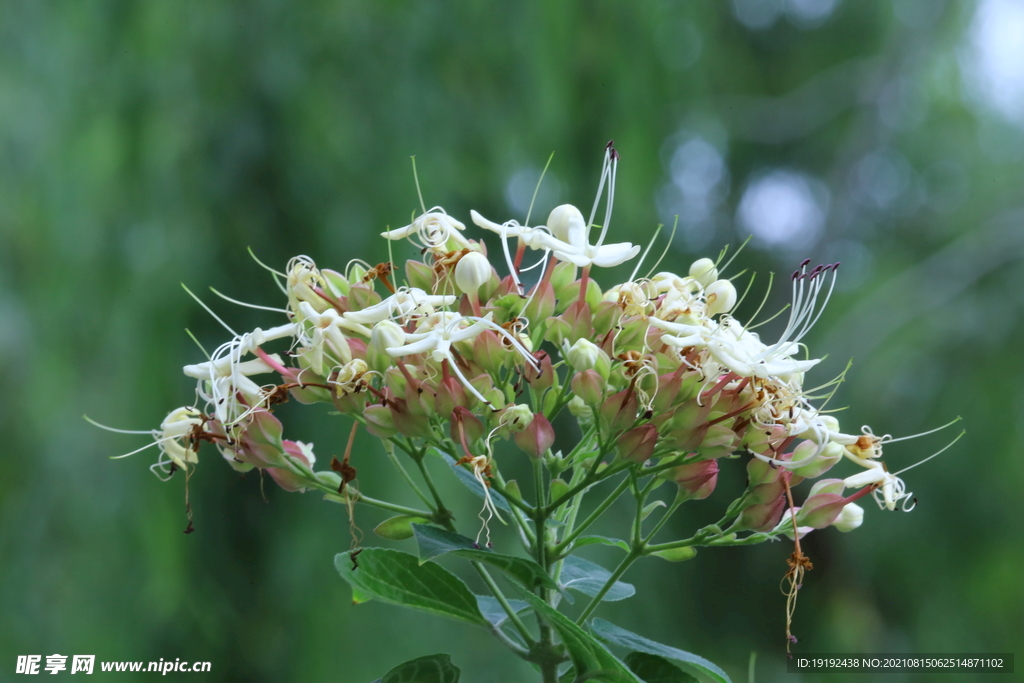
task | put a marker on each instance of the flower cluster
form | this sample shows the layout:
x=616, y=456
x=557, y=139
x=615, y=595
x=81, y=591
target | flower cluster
x=657, y=370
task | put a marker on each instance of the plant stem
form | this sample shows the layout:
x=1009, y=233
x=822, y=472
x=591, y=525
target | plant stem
x=389, y=449
x=605, y=504
x=358, y=497
x=500, y=597
x=629, y=559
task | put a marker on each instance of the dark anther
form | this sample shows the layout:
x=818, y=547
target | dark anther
x=189, y=529
x=353, y=556
x=795, y=275
x=805, y=262
x=489, y=544
x=476, y=545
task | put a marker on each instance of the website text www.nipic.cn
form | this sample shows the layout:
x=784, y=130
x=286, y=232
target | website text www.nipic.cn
x=86, y=664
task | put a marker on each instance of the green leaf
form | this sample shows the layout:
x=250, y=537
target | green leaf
x=590, y=540
x=398, y=578
x=591, y=660
x=472, y=484
x=434, y=542
x=651, y=507
x=677, y=554
x=610, y=633
x=655, y=669
x=398, y=528
x=429, y=669
x=494, y=612
x=589, y=578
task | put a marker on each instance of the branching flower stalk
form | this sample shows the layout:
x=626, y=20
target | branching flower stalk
x=448, y=359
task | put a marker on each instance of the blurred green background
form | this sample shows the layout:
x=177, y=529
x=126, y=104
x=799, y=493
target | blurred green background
x=143, y=144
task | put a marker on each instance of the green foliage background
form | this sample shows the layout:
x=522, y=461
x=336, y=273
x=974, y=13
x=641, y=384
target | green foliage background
x=147, y=143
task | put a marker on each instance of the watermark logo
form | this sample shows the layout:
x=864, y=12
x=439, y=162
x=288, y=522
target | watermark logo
x=85, y=664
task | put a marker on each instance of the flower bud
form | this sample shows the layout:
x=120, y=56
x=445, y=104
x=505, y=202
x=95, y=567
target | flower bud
x=490, y=353
x=287, y=479
x=820, y=510
x=472, y=271
x=720, y=296
x=407, y=422
x=637, y=445
x=718, y=442
x=828, y=457
x=765, y=493
x=335, y=283
x=563, y=275
x=762, y=517
x=541, y=379
x=516, y=418
x=261, y=441
x=420, y=275
x=537, y=438
x=583, y=355
x=588, y=386
x=566, y=223
x=619, y=411
x=362, y=296
x=696, y=480
x=606, y=316
x=542, y=303
x=583, y=413
x=704, y=271
x=450, y=393
x=379, y=421
x=470, y=423
x=850, y=518
x=385, y=335
x=827, y=486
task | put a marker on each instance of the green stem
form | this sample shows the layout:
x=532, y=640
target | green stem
x=664, y=518
x=389, y=449
x=500, y=597
x=332, y=495
x=585, y=524
x=628, y=560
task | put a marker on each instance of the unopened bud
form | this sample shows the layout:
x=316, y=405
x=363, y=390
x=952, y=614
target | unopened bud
x=583, y=355
x=704, y=271
x=379, y=421
x=385, y=335
x=762, y=517
x=516, y=418
x=537, y=438
x=287, y=479
x=720, y=297
x=472, y=271
x=588, y=386
x=696, y=480
x=850, y=518
x=828, y=457
x=542, y=378
x=465, y=422
x=619, y=411
x=566, y=223
x=638, y=443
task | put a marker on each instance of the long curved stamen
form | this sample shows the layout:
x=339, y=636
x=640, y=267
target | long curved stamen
x=614, y=156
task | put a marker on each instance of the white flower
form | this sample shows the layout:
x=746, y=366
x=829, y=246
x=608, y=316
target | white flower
x=441, y=330
x=889, y=490
x=566, y=235
x=226, y=375
x=431, y=230
x=404, y=304
x=322, y=334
